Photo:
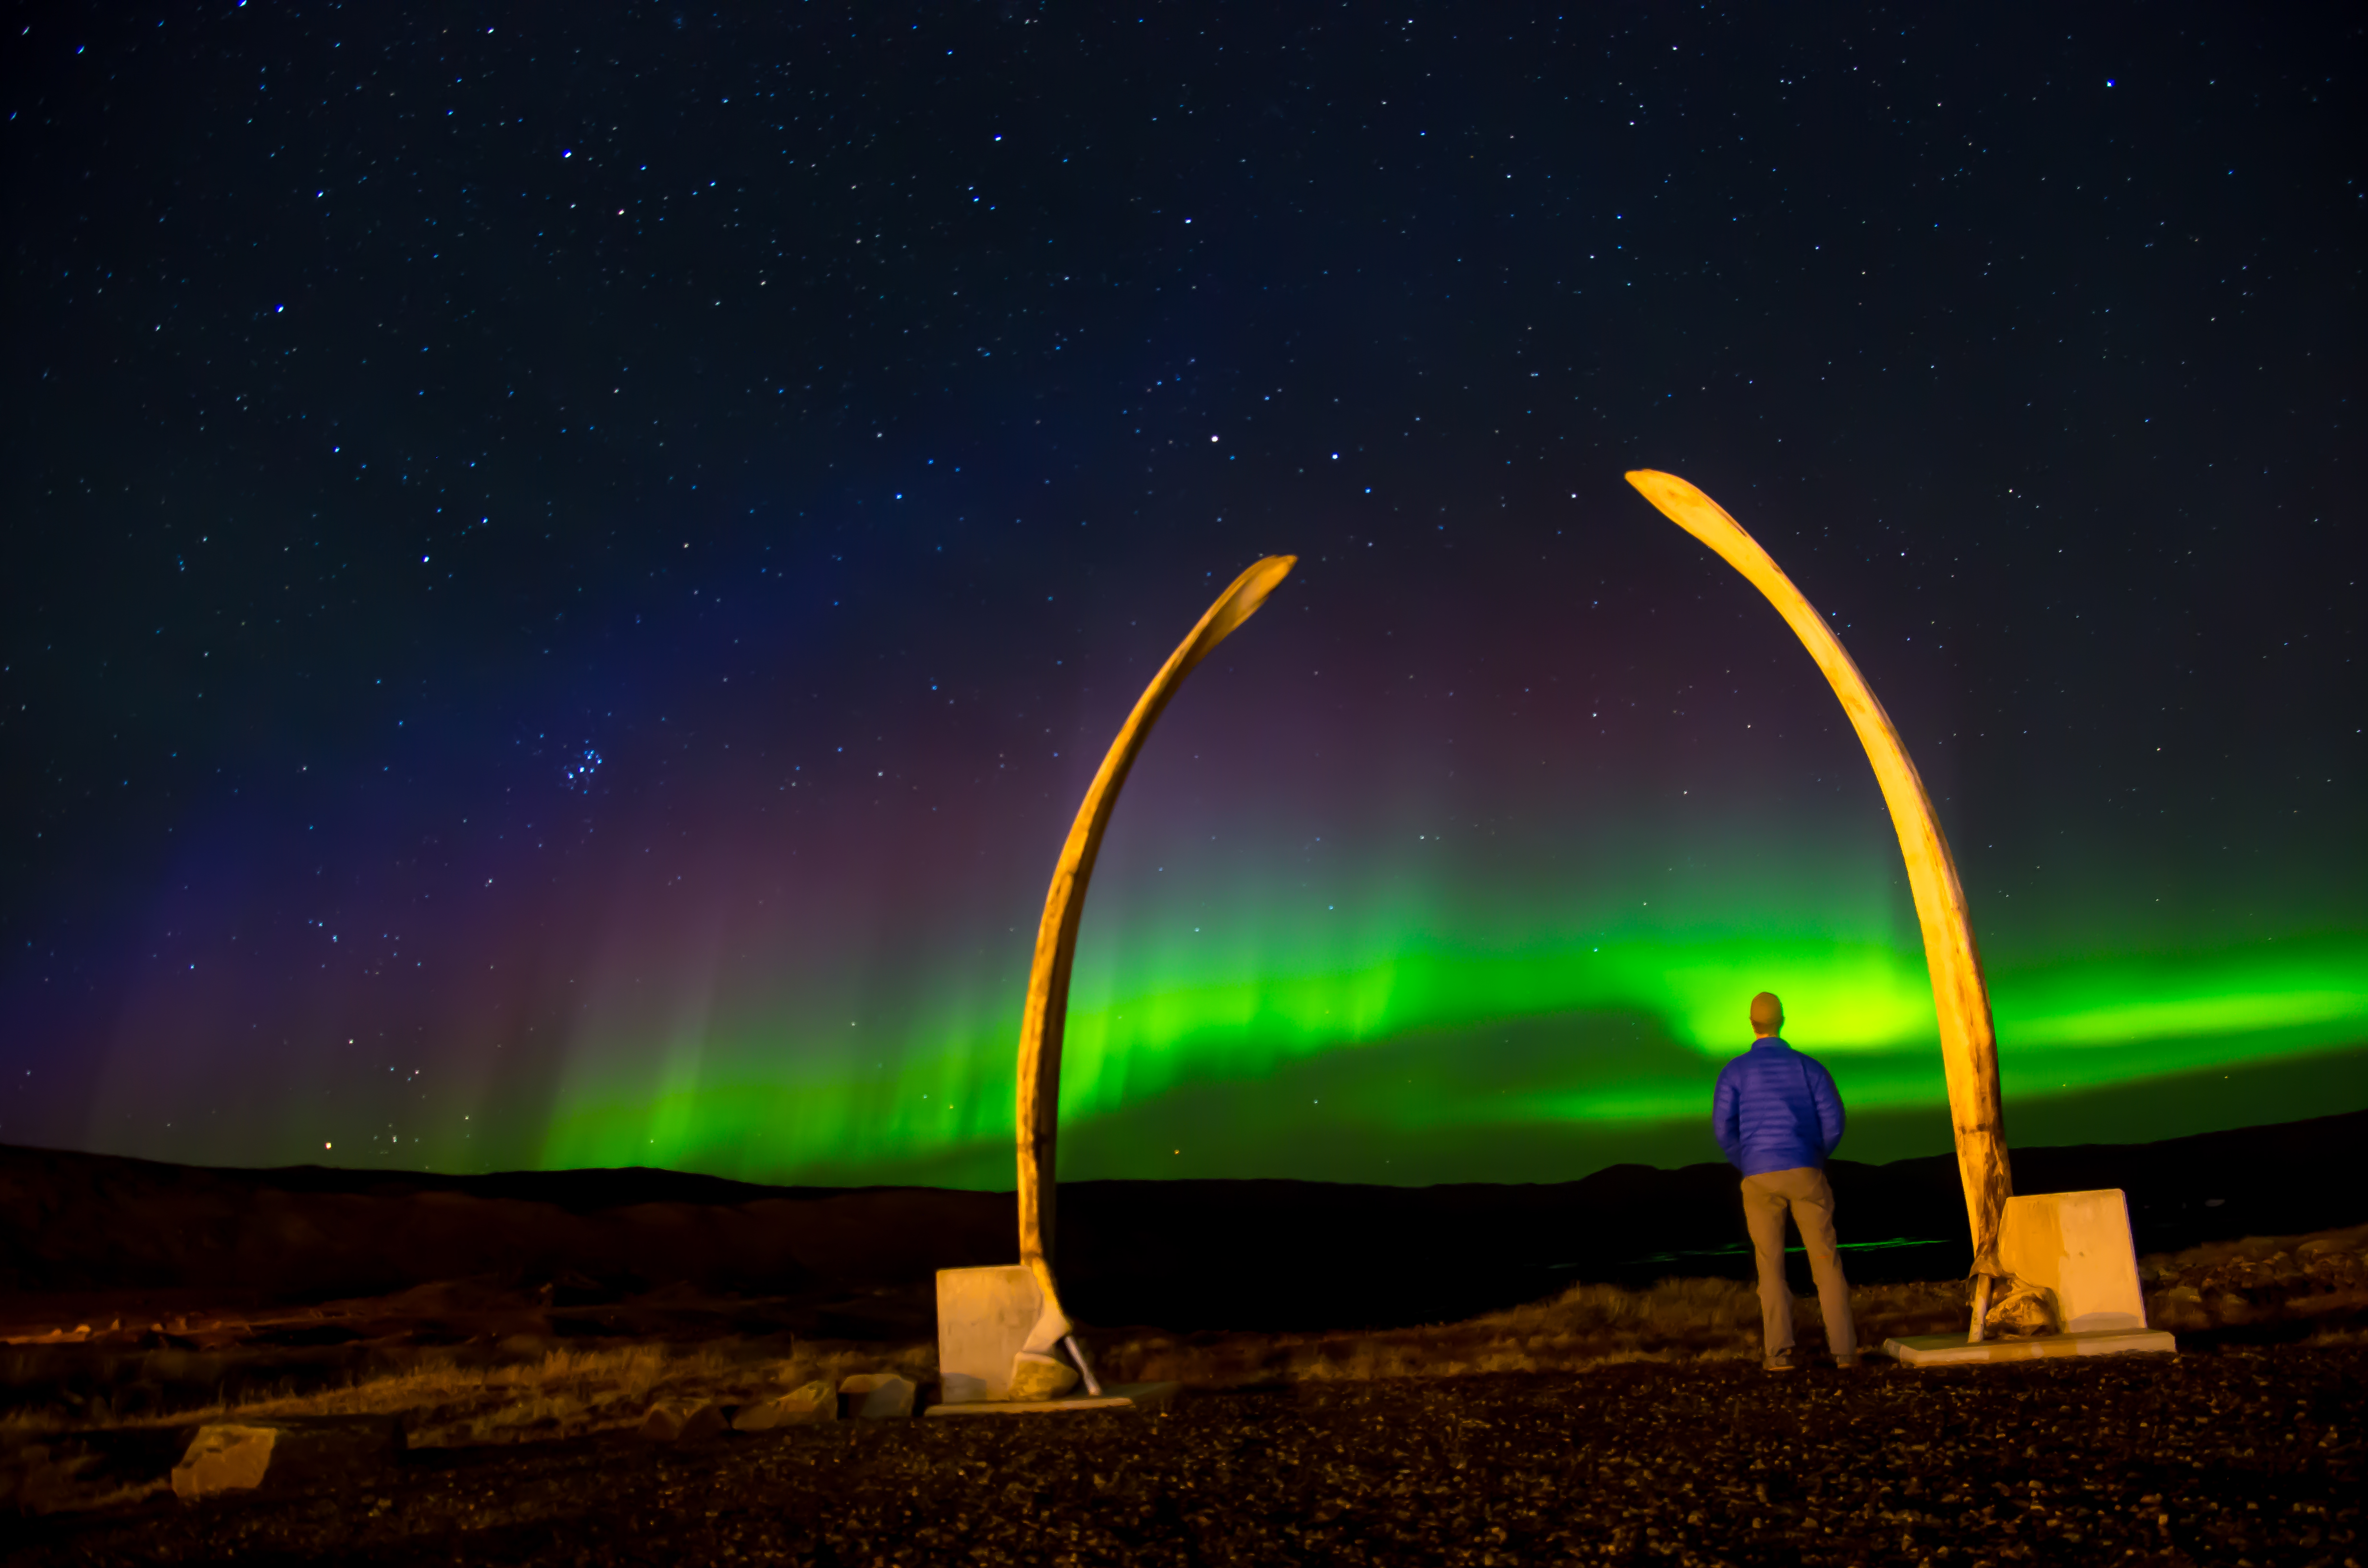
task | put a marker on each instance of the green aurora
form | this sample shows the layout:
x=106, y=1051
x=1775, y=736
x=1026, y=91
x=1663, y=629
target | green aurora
x=1585, y=1048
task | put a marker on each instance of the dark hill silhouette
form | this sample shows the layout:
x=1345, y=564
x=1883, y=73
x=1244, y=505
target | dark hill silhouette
x=1183, y=1254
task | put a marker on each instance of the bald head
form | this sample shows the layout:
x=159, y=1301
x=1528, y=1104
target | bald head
x=1767, y=1013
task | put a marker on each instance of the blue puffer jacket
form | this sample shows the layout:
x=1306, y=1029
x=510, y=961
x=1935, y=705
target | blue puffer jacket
x=1776, y=1109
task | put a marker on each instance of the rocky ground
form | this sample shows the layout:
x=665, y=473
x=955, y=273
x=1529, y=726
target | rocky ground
x=468, y=1362
x=1613, y=1420
x=1600, y=1424
x=2239, y=1455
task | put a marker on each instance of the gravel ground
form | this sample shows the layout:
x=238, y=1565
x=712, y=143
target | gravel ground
x=2243, y=1456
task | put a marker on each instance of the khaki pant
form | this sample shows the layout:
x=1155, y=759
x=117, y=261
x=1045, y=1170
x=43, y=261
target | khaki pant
x=1807, y=1193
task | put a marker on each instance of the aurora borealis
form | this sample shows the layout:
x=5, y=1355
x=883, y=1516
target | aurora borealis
x=565, y=586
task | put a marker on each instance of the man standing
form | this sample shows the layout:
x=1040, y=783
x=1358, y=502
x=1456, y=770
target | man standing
x=1778, y=1116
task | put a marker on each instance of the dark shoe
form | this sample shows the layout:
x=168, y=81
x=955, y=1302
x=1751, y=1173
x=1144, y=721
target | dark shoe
x=1847, y=1362
x=1781, y=1361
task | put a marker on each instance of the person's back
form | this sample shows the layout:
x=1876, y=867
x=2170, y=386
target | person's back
x=1778, y=1117
x=1777, y=1110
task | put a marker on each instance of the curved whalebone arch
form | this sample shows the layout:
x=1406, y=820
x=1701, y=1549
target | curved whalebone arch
x=1056, y=937
x=1968, y=1044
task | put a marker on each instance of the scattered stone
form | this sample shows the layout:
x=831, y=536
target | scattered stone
x=234, y=1456
x=682, y=1422
x=816, y=1401
x=225, y=1457
x=1035, y=1375
x=877, y=1396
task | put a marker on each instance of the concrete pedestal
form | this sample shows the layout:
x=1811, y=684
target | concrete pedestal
x=1122, y=1396
x=984, y=1319
x=2076, y=1247
x=1951, y=1349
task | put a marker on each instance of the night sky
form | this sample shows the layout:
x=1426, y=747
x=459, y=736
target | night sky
x=567, y=571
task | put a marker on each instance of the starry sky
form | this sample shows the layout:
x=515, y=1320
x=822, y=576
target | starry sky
x=566, y=571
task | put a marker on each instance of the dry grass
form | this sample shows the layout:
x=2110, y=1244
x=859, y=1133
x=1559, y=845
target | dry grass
x=445, y=1403
x=1588, y=1325
x=2318, y=1286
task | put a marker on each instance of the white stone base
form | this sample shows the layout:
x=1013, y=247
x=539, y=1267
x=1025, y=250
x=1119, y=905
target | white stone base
x=1951, y=1349
x=1123, y=1396
x=984, y=1319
